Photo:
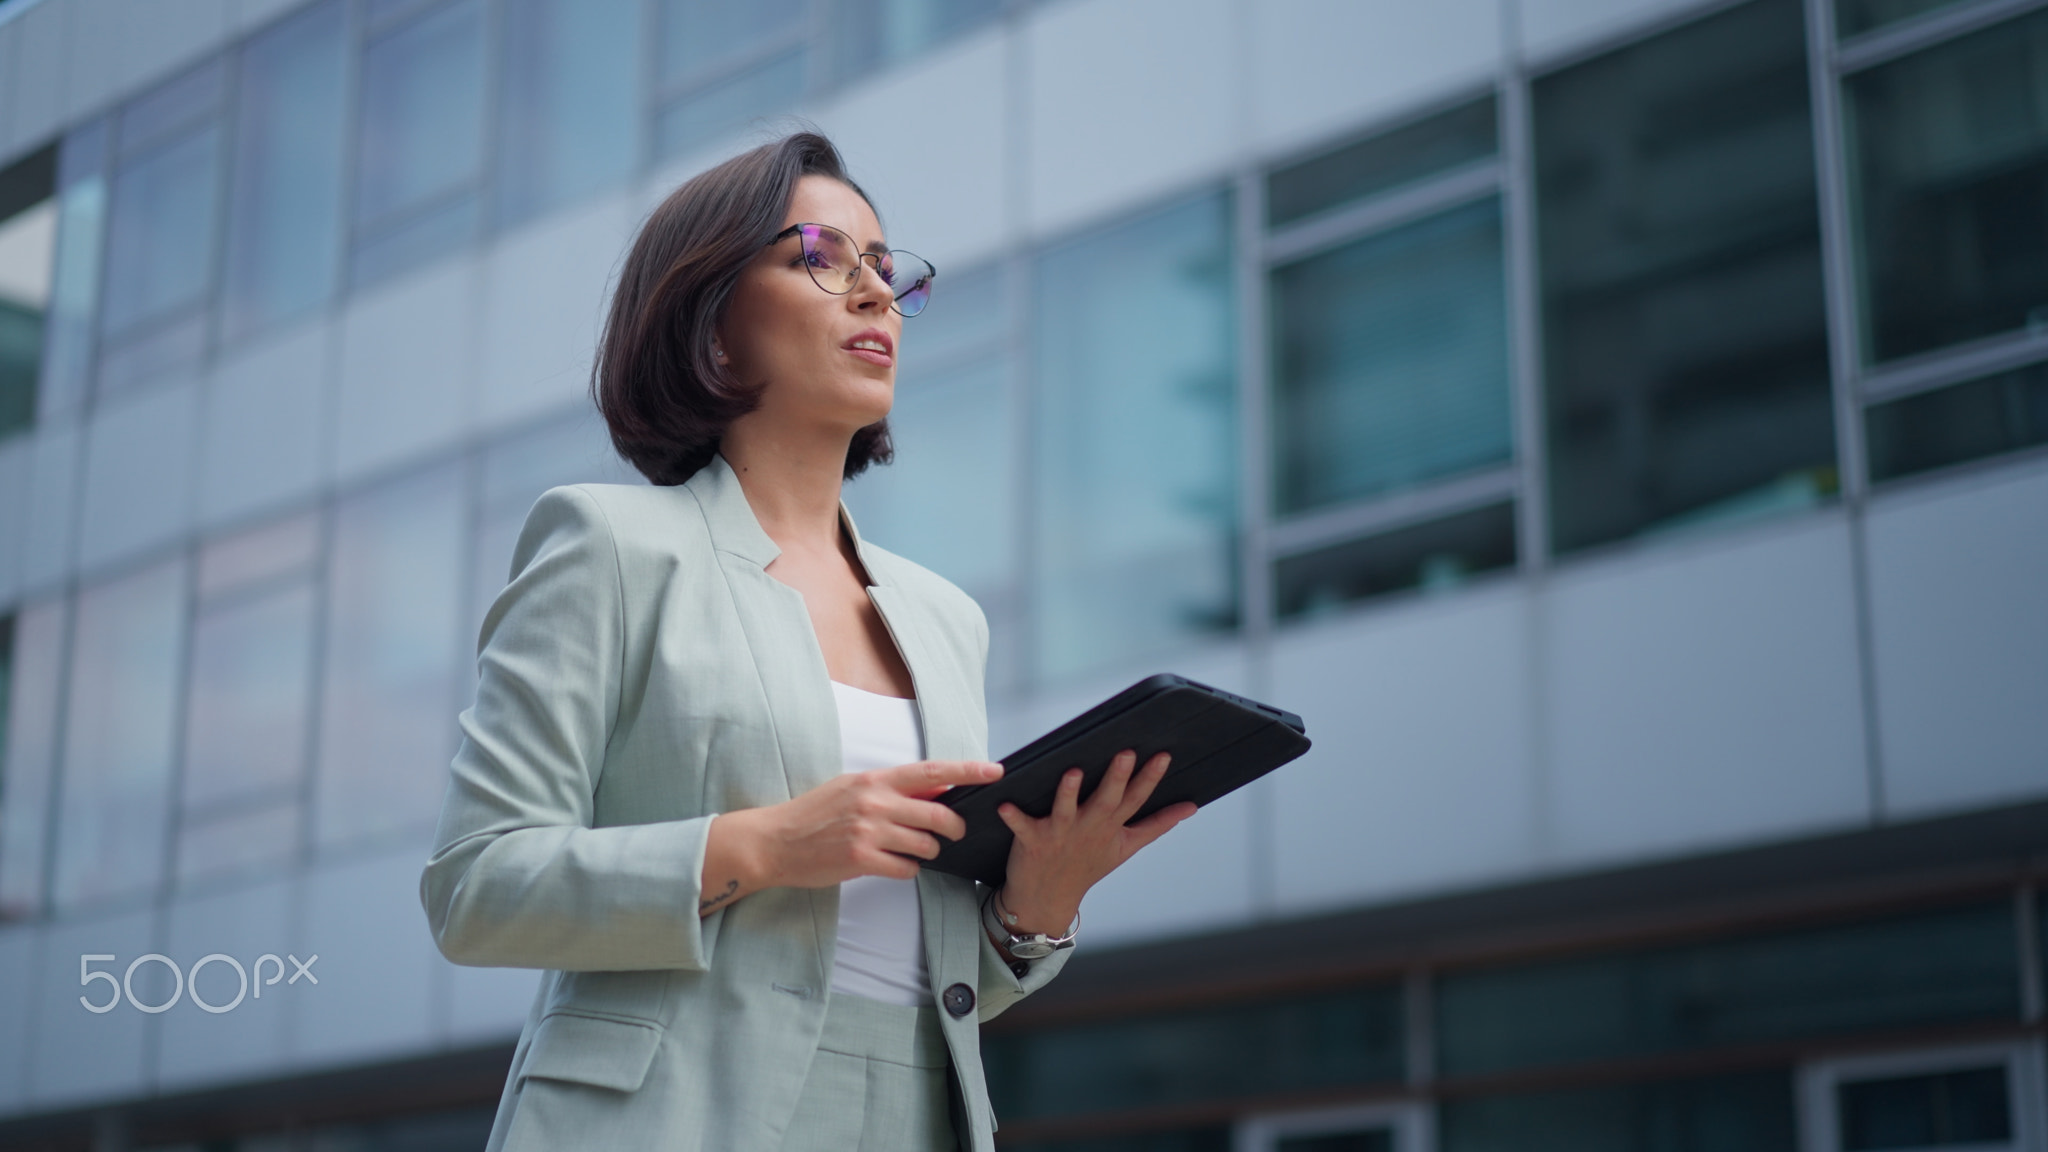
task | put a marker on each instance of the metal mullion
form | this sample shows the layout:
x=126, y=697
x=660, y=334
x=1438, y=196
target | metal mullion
x=1400, y=510
x=1254, y=469
x=2027, y=922
x=1461, y=185
x=1525, y=329
x=1884, y=45
x=1954, y=365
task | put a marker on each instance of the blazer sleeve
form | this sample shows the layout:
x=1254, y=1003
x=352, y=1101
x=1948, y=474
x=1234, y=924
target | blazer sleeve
x=518, y=876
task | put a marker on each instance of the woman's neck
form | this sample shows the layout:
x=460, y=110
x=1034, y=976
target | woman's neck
x=792, y=482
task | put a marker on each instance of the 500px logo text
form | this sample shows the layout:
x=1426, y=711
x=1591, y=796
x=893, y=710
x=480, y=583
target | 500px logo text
x=124, y=988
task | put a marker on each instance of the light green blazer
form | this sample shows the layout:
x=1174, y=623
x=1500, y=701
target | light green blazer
x=640, y=673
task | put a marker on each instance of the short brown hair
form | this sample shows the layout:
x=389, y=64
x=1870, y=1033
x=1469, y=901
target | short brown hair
x=666, y=400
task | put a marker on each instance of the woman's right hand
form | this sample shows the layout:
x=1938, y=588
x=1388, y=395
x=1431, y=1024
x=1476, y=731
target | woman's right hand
x=857, y=824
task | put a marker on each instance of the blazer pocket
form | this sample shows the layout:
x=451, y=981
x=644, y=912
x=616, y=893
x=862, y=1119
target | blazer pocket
x=600, y=1050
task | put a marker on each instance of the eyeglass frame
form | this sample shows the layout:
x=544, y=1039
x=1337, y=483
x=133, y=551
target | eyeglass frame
x=861, y=264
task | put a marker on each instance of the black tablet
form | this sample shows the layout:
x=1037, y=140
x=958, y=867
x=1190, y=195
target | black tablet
x=1219, y=742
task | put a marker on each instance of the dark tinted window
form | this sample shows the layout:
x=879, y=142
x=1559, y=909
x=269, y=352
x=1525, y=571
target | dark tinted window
x=1746, y=1113
x=1435, y=556
x=1383, y=162
x=28, y=241
x=1931, y=1111
x=1998, y=414
x=1853, y=16
x=1684, y=330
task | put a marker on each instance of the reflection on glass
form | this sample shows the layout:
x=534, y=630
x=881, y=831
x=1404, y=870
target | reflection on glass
x=870, y=34
x=704, y=36
x=1384, y=162
x=1135, y=511
x=160, y=238
x=700, y=118
x=966, y=317
x=1684, y=333
x=1951, y=183
x=261, y=555
x=1436, y=556
x=28, y=243
x=246, y=714
x=285, y=205
x=387, y=714
x=1392, y=361
x=516, y=470
x=1746, y=1112
x=1970, y=421
x=237, y=840
x=421, y=142
x=1854, y=16
x=75, y=281
x=127, y=650
x=28, y=754
x=568, y=101
x=1939, y=1110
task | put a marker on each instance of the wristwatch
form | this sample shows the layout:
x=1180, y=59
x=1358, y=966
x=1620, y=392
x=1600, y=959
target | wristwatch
x=1031, y=945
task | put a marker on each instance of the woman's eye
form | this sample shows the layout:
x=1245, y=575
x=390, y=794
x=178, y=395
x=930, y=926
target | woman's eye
x=817, y=260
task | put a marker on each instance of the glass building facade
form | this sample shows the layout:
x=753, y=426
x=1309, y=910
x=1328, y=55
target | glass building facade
x=1620, y=429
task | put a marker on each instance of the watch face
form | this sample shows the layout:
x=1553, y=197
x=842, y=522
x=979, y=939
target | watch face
x=1032, y=949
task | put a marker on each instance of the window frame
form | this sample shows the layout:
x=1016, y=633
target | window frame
x=1820, y=1120
x=1413, y=1123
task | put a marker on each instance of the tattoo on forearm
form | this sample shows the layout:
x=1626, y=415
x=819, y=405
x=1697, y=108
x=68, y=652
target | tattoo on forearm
x=731, y=887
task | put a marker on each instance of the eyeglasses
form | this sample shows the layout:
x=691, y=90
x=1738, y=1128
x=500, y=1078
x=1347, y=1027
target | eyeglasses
x=834, y=262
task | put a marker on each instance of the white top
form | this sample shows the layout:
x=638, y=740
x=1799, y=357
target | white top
x=881, y=935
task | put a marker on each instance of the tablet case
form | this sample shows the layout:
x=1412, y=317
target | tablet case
x=1219, y=742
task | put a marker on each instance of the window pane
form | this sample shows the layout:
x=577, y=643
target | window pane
x=257, y=839
x=710, y=112
x=262, y=555
x=967, y=316
x=1951, y=966
x=75, y=283
x=1435, y=557
x=422, y=115
x=1375, y=1140
x=160, y=239
x=1947, y=1109
x=568, y=101
x=1337, y=1039
x=1752, y=1112
x=125, y=659
x=516, y=470
x=28, y=242
x=697, y=36
x=1392, y=361
x=173, y=109
x=28, y=755
x=1384, y=162
x=1135, y=529
x=394, y=616
x=1951, y=181
x=870, y=34
x=283, y=237
x=1853, y=16
x=1188, y=1140
x=1998, y=414
x=246, y=720
x=1685, y=337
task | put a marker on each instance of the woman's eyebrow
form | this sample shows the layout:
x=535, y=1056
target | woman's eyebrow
x=877, y=247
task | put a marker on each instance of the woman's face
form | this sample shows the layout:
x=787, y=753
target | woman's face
x=824, y=359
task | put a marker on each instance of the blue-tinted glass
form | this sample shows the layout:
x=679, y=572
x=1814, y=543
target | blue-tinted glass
x=75, y=280
x=28, y=242
x=285, y=206
x=394, y=634
x=422, y=115
x=967, y=318
x=1383, y=162
x=1179, y=1140
x=437, y=231
x=258, y=838
x=708, y=113
x=1337, y=1039
x=28, y=755
x=160, y=239
x=1685, y=338
x=1392, y=361
x=127, y=650
x=1752, y=1112
x=1854, y=16
x=868, y=34
x=568, y=103
x=252, y=664
x=173, y=109
x=1135, y=519
x=700, y=37
x=1952, y=966
x=1968, y=421
x=516, y=470
x=1951, y=180
x=1940, y=1110
x=1433, y=556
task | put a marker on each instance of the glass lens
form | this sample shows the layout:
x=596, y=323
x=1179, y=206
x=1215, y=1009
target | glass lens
x=910, y=278
x=831, y=256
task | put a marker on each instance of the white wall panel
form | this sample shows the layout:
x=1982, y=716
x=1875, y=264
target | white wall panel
x=83, y=1056
x=930, y=143
x=52, y=505
x=122, y=47
x=545, y=295
x=36, y=86
x=246, y=15
x=1551, y=28
x=1129, y=99
x=1327, y=66
x=1705, y=694
x=197, y=1047
x=1421, y=774
x=19, y=964
x=374, y=1000
x=407, y=355
x=1959, y=607
x=263, y=425
x=138, y=473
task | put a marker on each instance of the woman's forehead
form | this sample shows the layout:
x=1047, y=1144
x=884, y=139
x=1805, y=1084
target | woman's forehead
x=823, y=200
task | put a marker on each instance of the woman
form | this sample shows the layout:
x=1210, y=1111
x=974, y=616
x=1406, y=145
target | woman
x=695, y=784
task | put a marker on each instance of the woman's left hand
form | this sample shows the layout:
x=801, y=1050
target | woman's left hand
x=1054, y=861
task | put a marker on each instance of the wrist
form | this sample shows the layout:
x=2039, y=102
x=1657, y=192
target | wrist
x=749, y=848
x=1025, y=913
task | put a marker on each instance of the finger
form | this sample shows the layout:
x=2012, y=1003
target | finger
x=1141, y=787
x=1110, y=792
x=1067, y=799
x=932, y=776
x=1159, y=824
x=1018, y=822
x=891, y=865
x=909, y=842
x=933, y=817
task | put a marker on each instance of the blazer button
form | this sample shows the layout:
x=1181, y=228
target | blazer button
x=958, y=999
x=1020, y=968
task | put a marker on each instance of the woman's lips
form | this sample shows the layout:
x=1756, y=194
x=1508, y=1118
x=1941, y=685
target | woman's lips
x=874, y=346
x=872, y=356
